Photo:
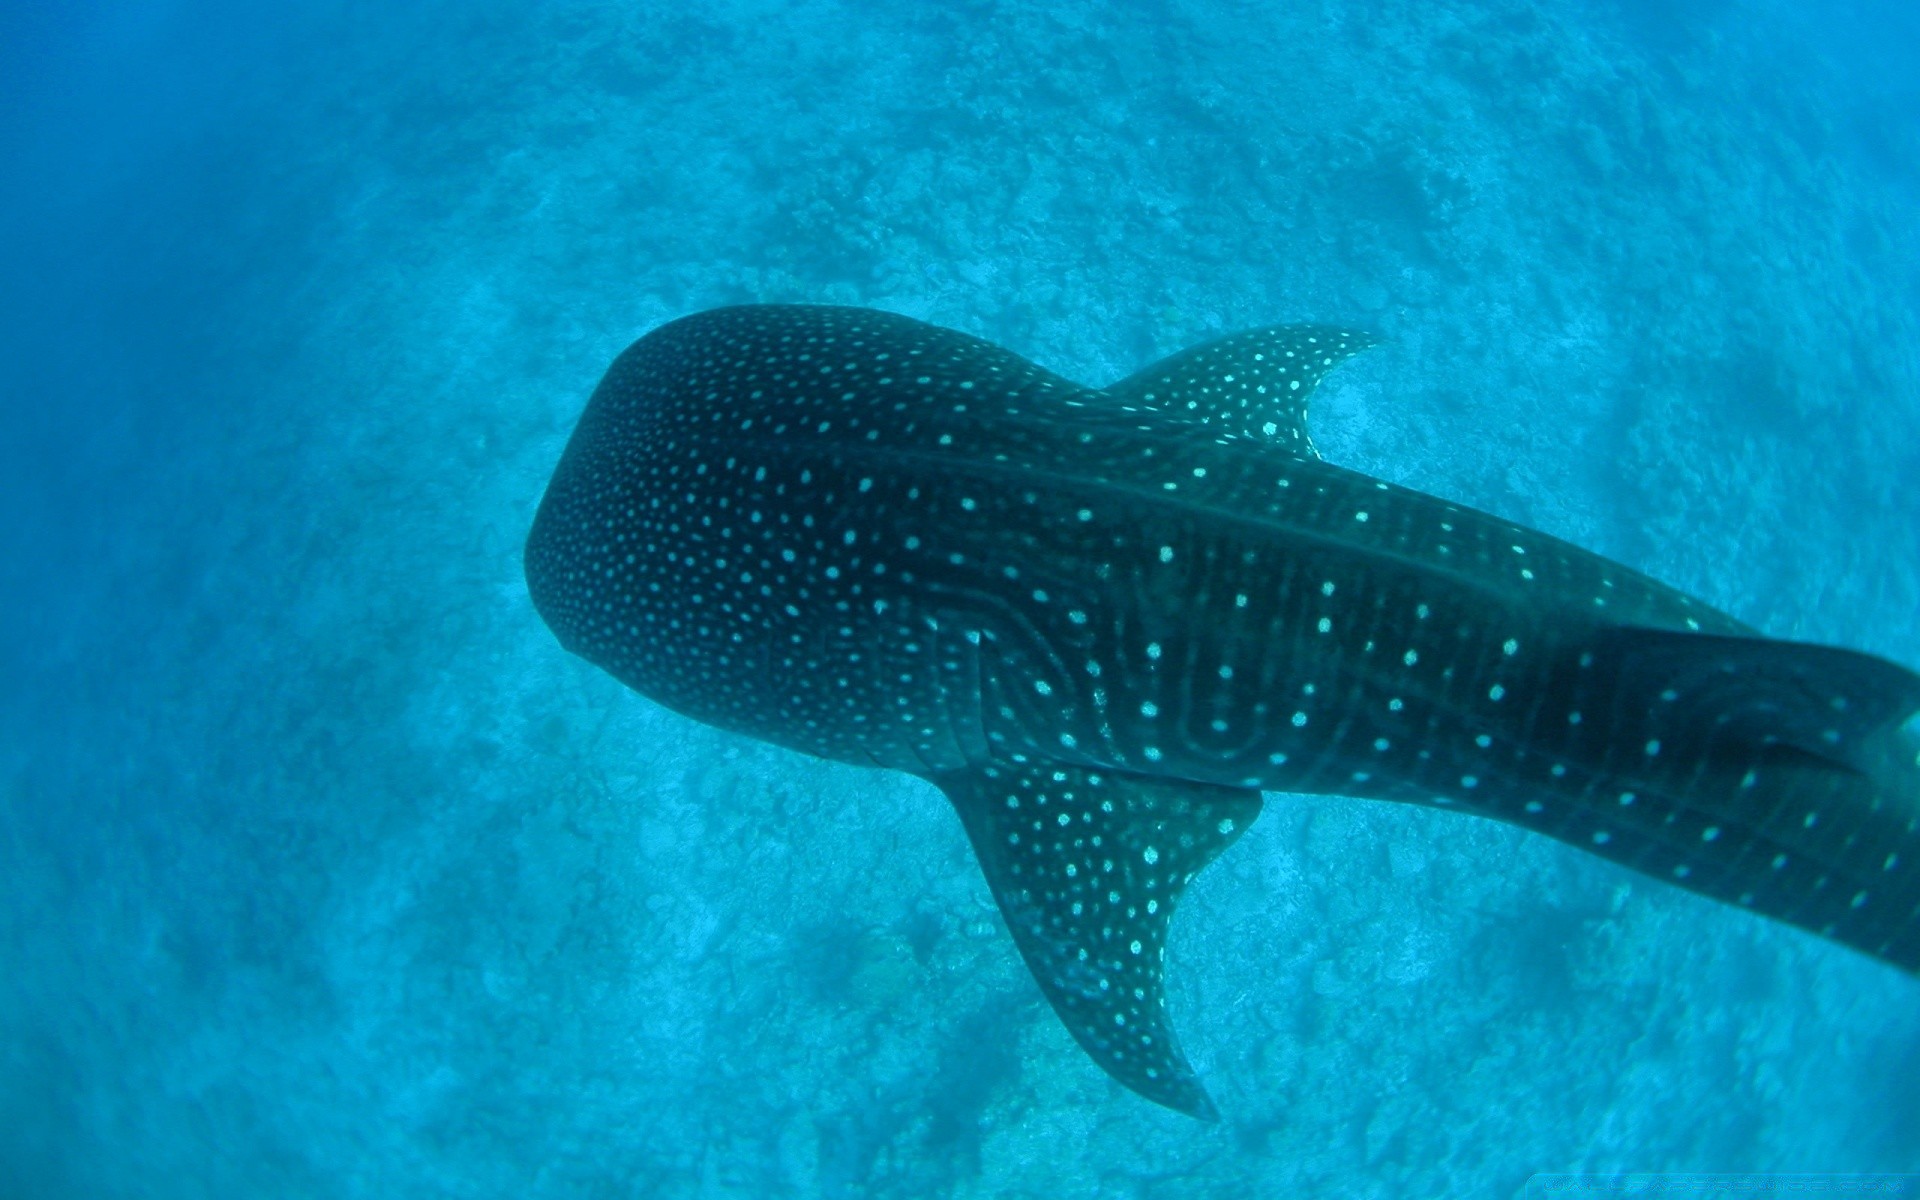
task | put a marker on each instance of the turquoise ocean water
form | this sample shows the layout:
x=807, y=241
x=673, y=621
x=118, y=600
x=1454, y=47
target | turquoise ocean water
x=324, y=872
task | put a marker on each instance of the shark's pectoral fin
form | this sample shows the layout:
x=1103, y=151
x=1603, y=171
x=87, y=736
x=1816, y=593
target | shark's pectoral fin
x=1088, y=866
x=1254, y=384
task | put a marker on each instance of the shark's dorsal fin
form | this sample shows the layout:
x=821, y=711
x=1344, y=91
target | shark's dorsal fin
x=1088, y=866
x=1254, y=384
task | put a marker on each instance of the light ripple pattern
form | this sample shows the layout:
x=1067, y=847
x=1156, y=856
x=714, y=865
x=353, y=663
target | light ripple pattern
x=324, y=874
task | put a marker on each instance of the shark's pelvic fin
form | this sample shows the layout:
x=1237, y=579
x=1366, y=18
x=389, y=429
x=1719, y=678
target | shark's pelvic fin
x=1799, y=797
x=1088, y=866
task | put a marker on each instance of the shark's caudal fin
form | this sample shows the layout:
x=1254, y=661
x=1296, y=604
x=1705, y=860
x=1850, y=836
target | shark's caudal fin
x=1252, y=384
x=1794, y=771
x=1088, y=866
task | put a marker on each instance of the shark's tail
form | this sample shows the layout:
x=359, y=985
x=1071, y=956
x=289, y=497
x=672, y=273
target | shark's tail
x=1777, y=776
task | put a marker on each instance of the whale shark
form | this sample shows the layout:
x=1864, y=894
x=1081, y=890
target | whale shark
x=1104, y=620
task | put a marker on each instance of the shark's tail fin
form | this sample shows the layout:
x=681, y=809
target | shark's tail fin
x=1792, y=771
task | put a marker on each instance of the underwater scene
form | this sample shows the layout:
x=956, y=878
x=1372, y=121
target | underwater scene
x=419, y=781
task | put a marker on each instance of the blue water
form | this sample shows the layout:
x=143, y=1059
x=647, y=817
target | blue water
x=324, y=872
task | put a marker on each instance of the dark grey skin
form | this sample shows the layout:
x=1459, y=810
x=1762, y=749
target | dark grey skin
x=1103, y=621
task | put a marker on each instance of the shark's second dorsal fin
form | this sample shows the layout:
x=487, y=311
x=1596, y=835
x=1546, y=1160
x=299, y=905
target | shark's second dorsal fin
x=1087, y=866
x=1254, y=384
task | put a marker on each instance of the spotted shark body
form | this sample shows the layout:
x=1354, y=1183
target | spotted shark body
x=1104, y=620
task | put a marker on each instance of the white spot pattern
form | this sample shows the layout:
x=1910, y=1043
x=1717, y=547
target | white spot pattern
x=746, y=527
